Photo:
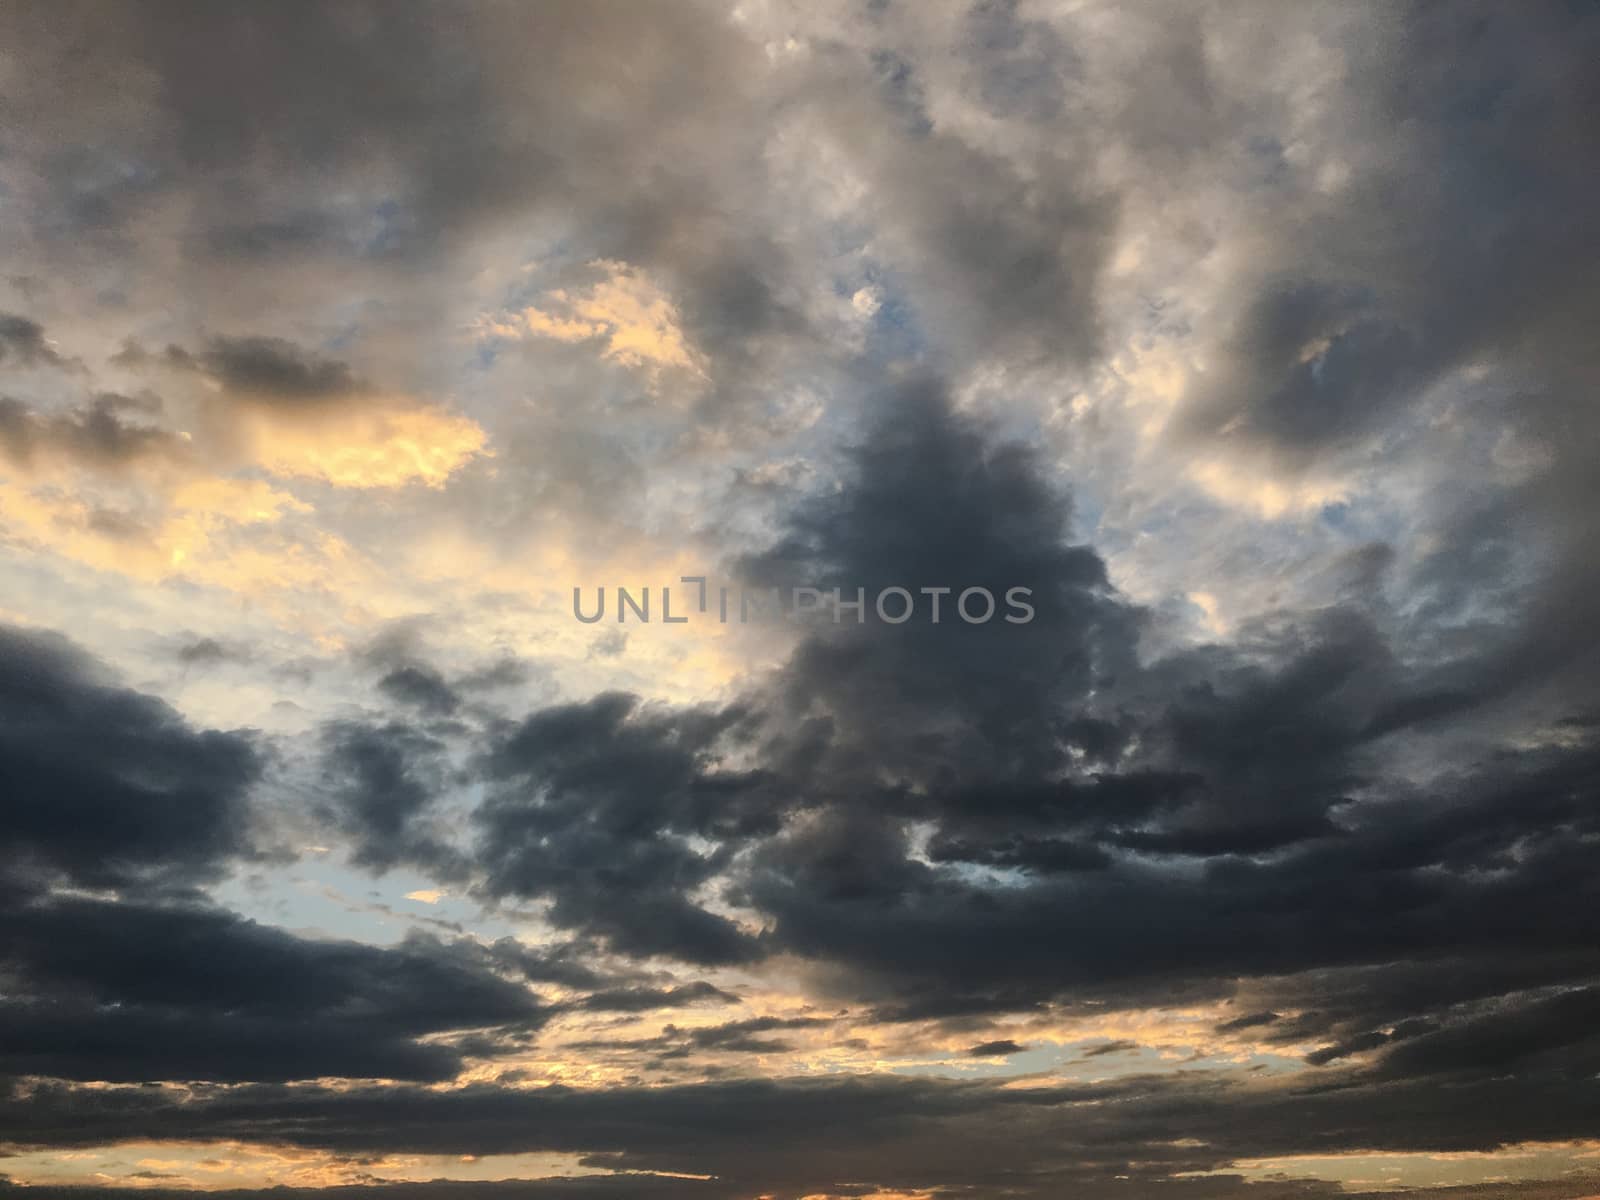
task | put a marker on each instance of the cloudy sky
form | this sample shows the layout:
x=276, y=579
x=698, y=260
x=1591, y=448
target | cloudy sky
x=340, y=342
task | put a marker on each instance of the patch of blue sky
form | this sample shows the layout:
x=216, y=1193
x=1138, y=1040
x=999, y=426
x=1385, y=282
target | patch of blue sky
x=319, y=895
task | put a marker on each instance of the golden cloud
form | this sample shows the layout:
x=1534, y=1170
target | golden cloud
x=367, y=446
x=637, y=320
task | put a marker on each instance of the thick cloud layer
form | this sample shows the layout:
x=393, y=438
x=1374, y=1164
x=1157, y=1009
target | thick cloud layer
x=794, y=1137
x=1253, y=347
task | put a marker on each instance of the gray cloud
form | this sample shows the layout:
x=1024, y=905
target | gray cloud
x=127, y=993
x=111, y=788
x=97, y=434
x=23, y=341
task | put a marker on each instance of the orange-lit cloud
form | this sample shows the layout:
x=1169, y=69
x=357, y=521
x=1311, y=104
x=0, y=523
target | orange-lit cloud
x=637, y=321
x=367, y=446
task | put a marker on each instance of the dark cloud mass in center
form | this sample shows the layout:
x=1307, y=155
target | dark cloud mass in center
x=1252, y=346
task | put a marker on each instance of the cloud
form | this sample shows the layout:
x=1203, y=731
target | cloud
x=948, y=820
x=638, y=324
x=1256, y=345
x=111, y=791
x=132, y=992
x=831, y=1135
x=1105, y=1048
x=420, y=688
x=98, y=435
x=592, y=806
x=382, y=783
x=299, y=414
x=1000, y=1049
x=111, y=788
x=273, y=371
x=23, y=341
x=646, y=999
x=372, y=449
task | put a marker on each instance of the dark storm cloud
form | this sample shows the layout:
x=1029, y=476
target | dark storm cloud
x=1517, y=1034
x=383, y=782
x=106, y=787
x=1339, y=1006
x=1247, y=760
x=593, y=806
x=977, y=727
x=1368, y=894
x=930, y=501
x=130, y=992
x=110, y=789
x=1171, y=824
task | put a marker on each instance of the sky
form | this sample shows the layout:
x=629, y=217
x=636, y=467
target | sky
x=1242, y=845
